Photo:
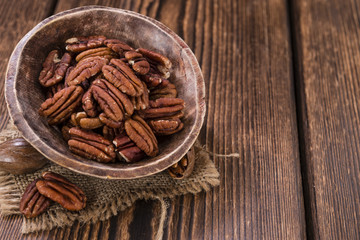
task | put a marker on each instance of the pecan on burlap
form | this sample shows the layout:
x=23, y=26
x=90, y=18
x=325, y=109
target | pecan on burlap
x=104, y=52
x=137, y=62
x=60, y=107
x=166, y=126
x=122, y=77
x=141, y=134
x=85, y=69
x=54, y=68
x=118, y=46
x=79, y=44
x=91, y=145
x=164, y=108
x=112, y=102
x=127, y=150
x=32, y=203
x=168, y=91
x=61, y=190
x=184, y=167
x=141, y=102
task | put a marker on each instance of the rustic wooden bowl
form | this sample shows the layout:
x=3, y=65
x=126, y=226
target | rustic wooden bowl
x=24, y=94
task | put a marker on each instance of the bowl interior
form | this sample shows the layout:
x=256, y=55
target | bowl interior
x=137, y=31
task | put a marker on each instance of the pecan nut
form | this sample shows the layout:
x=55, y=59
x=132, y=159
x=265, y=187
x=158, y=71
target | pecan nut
x=54, y=69
x=88, y=103
x=122, y=77
x=51, y=91
x=109, y=122
x=184, y=167
x=91, y=145
x=104, y=52
x=127, y=149
x=156, y=57
x=32, y=203
x=118, y=46
x=158, y=61
x=137, y=62
x=85, y=69
x=112, y=102
x=164, y=108
x=168, y=91
x=58, y=108
x=141, y=102
x=81, y=119
x=110, y=133
x=166, y=126
x=90, y=123
x=61, y=190
x=141, y=134
x=79, y=44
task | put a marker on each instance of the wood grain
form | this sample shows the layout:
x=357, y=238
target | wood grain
x=327, y=38
x=244, y=51
x=19, y=16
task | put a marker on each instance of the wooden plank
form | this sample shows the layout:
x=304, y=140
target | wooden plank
x=327, y=36
x=244, y=52
x=16, y=19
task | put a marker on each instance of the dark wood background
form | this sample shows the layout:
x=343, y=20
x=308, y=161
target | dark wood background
x=282, y=84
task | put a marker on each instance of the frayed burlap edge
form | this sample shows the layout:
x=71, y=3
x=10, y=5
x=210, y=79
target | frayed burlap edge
x=10, y=196
x=55, y=219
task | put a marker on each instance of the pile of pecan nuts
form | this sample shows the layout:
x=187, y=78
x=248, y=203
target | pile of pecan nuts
x=109, y=99
x=50, y=187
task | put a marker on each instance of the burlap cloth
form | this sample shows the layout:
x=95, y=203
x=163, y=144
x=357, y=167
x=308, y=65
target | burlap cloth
x=105, y=197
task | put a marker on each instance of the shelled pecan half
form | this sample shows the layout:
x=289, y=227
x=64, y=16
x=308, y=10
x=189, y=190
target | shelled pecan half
x=85, y=69
x=110, y=133
x=137, y=62
x=166, y=126
x=162, y=63
x=122, y=77
x=79, y=44
x=109, y=122
x=59, y=108
x=51, y=91
x=127, y=149
x=91, y=145
x=140, y=132
x=61, y=190
x=141, y=102
x=112, y=102
x=54, y=68
x=118, y=46
x=88, y=103
x=164, y=108
x=168, y=91
x=32, y=203
x=104, y=52
x=184, y=167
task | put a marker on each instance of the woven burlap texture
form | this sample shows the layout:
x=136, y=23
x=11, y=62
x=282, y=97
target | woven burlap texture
x=105, y=197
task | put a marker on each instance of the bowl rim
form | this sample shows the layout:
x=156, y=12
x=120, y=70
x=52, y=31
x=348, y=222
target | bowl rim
x=28, y=134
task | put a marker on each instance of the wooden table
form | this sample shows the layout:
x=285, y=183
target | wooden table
x=282, y=83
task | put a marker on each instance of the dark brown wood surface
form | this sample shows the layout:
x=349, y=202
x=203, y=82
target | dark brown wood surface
x=327, y=66
x=247, y=51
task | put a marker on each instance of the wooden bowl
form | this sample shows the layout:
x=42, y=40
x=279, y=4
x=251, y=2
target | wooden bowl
x=24, y=94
